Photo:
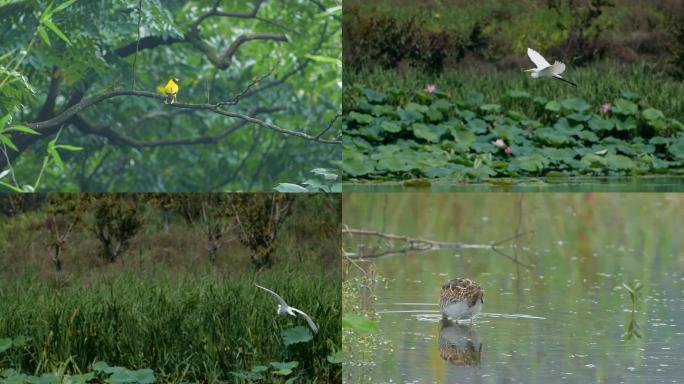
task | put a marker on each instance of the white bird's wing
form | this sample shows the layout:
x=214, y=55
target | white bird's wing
x=280, y=299
x=537, y=59
x=557, y=68
x=313, y=326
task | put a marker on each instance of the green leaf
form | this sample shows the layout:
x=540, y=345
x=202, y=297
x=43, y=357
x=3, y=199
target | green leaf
x=625, y=107
x=328, y=174
x=48, y=23
x=477, y=126
x=677, y=149
x=336, y=358
x=63, y=6
x=290, y=188
x=325, y=59
x=6, y=140
x=15, y=189
x=79, y=379
x=55, y=155
x=6, y=342
x=579, y=117
x=100, y=366
x=67, y=147
x=296, y=335
x=493, y=108
x=6, y=55
x=143, y=376
x=593, y=160
x=430, y=132
x=552, y=106
x=45, y=378
x=390, y=126
x=122, y=376
x=374, y=96
x=652, y=114
x=630, y=95
x=620, y=162
x=43, y=35
x=47, y=13
x=600, y=124
x=284, y=369
x=361, y=118
x=20, y=341
x=22, y=128
x=576, y=104
x=534, y=163
x=3, y=121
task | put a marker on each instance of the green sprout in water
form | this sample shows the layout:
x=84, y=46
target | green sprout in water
x=633, y=288
x=633, y=328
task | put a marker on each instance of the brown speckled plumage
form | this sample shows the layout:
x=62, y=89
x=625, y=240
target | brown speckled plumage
x=460, y=290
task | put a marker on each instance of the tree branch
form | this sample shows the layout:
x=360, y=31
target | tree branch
x=418, y=244
x=117, y=138
x=48, y=109
x=89, y=101
x=215, y=11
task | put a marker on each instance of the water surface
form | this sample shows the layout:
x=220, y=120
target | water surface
x=566, y=319
x=549, y=184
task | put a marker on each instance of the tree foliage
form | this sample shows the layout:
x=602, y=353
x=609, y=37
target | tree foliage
x=260, y=84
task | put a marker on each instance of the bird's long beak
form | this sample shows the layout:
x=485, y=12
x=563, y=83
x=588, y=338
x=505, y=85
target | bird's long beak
x=529, y=70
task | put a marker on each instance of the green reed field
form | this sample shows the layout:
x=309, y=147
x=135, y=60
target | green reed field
x=598, y=83
x=196, y=328
x=162, y=311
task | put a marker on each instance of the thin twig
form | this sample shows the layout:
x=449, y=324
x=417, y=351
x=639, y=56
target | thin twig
x=330, y=124
x=236, y=98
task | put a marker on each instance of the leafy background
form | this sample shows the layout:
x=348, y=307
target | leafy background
x=127, y=142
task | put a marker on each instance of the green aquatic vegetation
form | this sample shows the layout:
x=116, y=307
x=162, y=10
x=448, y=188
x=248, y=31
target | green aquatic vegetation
x=396, y=134
x=101, y=371
x=276, y=370
x=633, y=329
x=321, y=180
x=193, y=329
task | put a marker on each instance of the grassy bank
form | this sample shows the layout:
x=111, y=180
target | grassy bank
x=597, y=83
x=192, y=328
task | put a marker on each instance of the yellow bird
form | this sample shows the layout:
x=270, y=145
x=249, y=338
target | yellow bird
x=171, y=91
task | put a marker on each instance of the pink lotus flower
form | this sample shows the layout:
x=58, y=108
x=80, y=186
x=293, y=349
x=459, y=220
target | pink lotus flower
x=499, y=143
x=605, y=107
x=430, y=88
x=508, y=150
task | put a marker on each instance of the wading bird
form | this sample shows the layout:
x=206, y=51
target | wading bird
x=283, y=308
x=461, y=299
x=544, y=69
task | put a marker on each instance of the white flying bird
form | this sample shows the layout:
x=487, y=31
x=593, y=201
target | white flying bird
x=283, y=308
x=544, y=69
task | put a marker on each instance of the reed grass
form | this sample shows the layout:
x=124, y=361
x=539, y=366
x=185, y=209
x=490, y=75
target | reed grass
x=191, y=328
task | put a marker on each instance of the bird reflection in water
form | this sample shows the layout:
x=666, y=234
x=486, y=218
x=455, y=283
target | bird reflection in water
x=459, y=344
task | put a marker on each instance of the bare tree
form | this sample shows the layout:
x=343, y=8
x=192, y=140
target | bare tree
x=259, y=217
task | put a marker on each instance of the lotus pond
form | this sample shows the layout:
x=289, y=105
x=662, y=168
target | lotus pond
x=465, y=133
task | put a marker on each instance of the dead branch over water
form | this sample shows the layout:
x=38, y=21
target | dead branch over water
x=420, y=244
